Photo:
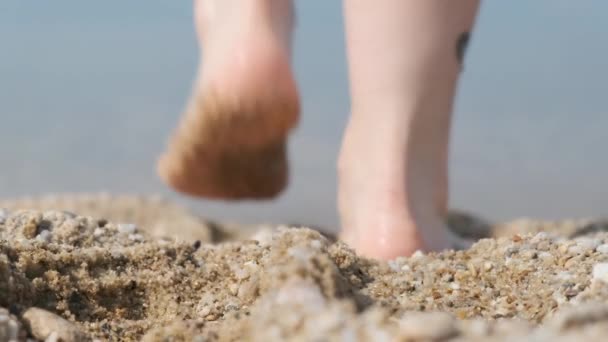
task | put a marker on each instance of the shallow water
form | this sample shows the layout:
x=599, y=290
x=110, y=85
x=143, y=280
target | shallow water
x=90, y=91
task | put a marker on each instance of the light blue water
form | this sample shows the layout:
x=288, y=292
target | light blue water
x=89, y=91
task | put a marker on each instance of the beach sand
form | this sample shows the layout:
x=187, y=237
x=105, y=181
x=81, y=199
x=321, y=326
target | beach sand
x=121, y=268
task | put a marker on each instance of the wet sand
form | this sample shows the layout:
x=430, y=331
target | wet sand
x=127, y=268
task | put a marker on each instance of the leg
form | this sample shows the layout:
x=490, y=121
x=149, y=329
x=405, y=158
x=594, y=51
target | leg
x=404, y=61
x=231, y=141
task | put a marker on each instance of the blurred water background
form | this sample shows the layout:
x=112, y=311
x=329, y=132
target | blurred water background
x=89, y=92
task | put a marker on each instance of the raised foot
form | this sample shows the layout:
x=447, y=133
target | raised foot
x=231, y=142
x=231, y=150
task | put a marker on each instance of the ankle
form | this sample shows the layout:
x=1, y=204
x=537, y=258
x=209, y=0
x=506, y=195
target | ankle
x=401, y=176
x=261, y=17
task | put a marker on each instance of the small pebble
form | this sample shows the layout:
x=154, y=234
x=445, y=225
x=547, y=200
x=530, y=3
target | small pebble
x=3, y=215
x=539, y=237
x=234, y=289
x=559, y=298
x=69, y=214
x=600, y=272
x=99, y=232
x=43, y=324
x=9, y=326
x=53, y=337
x=579, y=317
x=394, y=265
x=545, y=256
x=588, y=243
x=564, y=275
x=231, y=307
x=204, y=311
x=563, y=248
x=418, y=254
x=479, y=327
x=263, y=236
x=116, y=254
x=602, y=248
x=576, y=249
x=422, y=326
x=136, y=237
x=316, y=244
x=306, y=295
x=529, y=254
x=44, y=236
x=127, y=228
x=240, y=273
x=300, y=253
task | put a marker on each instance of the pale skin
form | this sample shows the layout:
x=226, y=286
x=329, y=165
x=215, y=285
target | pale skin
x=405, y=58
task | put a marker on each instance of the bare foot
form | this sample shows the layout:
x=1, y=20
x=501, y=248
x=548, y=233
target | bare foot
x=230, y=144
x=405, y=58
x=389, y=206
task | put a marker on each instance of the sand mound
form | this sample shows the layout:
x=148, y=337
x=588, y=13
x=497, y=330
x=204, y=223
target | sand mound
x=156, y=214
x=78, y=277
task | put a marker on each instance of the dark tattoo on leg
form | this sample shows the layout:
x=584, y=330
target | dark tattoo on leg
x=461, y=46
